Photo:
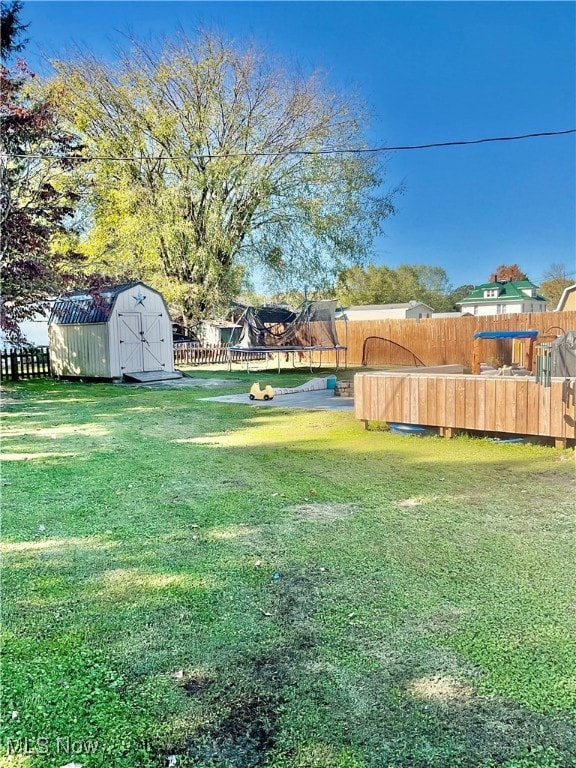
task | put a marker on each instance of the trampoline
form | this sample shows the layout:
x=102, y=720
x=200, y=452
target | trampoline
x=308, y=332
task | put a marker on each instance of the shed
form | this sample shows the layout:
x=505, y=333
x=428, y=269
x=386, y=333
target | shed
x=119, y=331
x=216, y=333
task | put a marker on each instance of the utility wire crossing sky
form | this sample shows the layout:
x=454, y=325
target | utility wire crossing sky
x=425, y=71
x=334, y=151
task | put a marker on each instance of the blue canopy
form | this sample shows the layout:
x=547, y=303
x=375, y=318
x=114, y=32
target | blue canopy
x=506, y=335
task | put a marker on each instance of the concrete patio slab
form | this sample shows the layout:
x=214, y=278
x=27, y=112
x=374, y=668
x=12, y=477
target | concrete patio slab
x=323, y=400
x=185, y=381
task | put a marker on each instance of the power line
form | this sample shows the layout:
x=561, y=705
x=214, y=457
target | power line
x=295, y=152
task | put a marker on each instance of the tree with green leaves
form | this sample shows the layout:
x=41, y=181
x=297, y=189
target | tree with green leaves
x=384, y=285
x=11, y=29
x=205, y=159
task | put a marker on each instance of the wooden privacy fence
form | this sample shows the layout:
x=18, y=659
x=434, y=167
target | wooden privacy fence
x=515, y=404
x=441, y=341
x=25, y=363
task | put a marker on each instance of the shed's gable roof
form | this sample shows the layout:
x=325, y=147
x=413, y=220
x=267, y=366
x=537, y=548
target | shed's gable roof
x=508, y=291
x=81, y=307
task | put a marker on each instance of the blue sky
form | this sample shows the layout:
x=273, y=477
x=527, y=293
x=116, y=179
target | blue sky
x=429, y=71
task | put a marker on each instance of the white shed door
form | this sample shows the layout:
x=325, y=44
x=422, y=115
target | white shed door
x=153, y=342
x=131, y=347
x=141, y=342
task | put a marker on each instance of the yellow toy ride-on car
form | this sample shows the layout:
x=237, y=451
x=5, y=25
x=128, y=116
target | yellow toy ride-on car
x=261, y=394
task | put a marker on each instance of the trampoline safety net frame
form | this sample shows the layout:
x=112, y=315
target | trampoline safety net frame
x=308, y=331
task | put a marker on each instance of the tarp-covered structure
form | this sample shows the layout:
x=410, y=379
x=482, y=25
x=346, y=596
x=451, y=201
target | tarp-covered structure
x=313, y=325
x=563, y=355
x=310, y=328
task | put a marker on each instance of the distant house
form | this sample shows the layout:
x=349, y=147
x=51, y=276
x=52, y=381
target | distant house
x=34, y=330
x=412, y=310
x=214, y=333
x=567, y=300
x=502, y=297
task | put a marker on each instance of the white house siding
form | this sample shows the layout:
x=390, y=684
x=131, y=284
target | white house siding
x=208, y=333
x=35, y=332
x=80, y=350
x=414, y=313
x=486, y=310
x=395, y=313
x=213, y=333
x=375, y=314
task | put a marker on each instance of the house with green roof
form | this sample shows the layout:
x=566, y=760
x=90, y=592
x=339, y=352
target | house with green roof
x=503, y=297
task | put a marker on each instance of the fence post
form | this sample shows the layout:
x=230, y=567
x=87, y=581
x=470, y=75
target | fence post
x=14, y=365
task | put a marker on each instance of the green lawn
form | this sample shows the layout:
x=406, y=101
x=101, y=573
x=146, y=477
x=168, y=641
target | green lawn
x=239, y=587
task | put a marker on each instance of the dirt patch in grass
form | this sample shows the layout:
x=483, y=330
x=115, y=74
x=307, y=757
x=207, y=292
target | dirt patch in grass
x=446, y=620
x=439, y=688
x=239, y=714
x=195, y=685
x=410, y=503
x=246, y=735
x=323, y=512
x=243, y=699
x=438, y=702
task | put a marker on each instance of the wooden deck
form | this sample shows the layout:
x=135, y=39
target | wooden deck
x=509, y=404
